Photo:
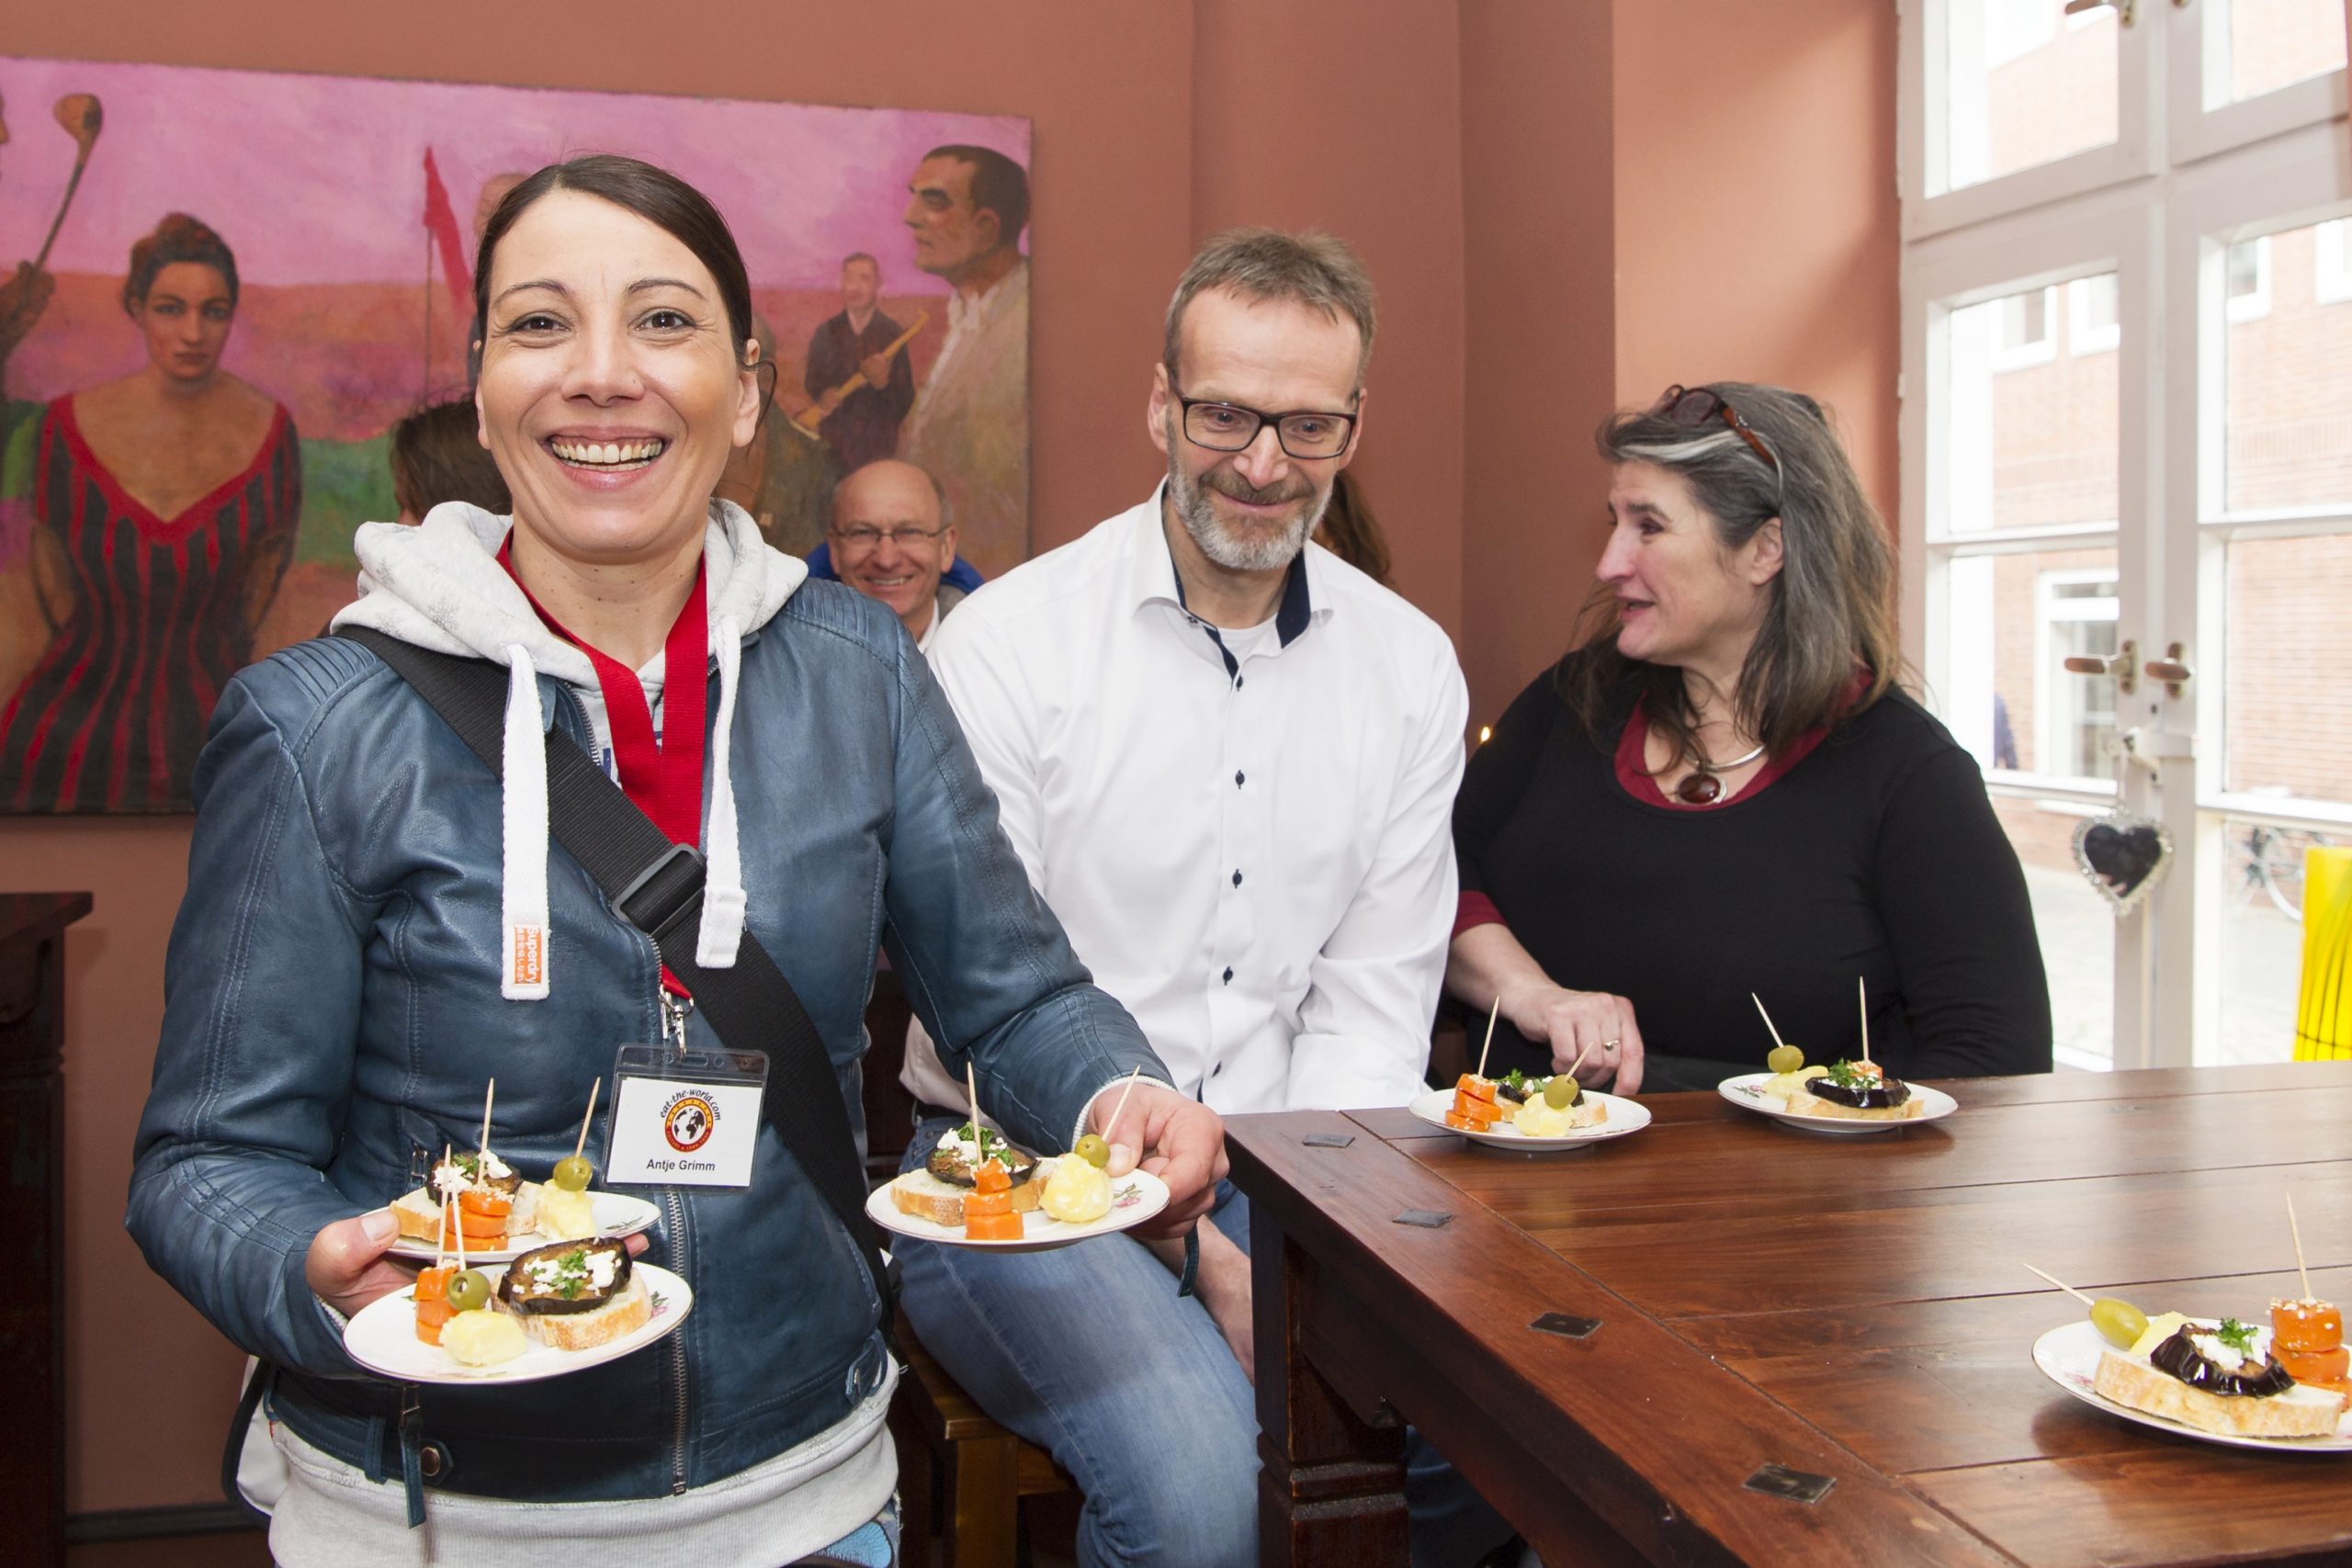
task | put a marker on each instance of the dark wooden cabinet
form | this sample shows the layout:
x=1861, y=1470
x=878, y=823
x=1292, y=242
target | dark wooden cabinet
x=32, y=1215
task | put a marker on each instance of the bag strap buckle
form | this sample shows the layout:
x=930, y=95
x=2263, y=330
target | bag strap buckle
x=658, y=897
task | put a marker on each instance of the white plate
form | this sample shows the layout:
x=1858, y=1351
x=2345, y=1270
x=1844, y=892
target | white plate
x=1744, y=1092
x=383, y=1339
x=1134, y=1198
x=2069, y=1357
x=616, y=1214
x=1625, y=1116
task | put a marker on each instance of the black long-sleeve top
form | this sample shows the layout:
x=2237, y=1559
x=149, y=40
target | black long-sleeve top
x=1876, y=854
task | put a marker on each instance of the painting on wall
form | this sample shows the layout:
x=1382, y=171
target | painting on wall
x=238, y=282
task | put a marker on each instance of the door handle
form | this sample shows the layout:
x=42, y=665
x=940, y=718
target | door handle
x=2170, y=670
x=2120, y=666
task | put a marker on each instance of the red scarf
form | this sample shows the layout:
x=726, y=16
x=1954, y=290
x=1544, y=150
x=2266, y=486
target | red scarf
x=664, y=780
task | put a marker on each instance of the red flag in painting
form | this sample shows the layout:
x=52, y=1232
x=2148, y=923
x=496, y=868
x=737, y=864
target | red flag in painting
x=442, y=220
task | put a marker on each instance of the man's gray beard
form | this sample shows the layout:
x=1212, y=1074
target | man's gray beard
x=1262, y=552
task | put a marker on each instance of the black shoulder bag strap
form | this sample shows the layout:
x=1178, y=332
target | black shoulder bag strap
x=657, y=886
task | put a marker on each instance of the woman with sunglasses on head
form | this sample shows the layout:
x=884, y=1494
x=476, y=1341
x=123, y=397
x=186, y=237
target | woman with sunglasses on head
x=1721, y=790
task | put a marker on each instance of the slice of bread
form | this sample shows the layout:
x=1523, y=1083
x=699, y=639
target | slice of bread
x=418, y=1215
x=1801, y=1103
x=630, y=1309
x=2300, y=1412
x=924, y=1195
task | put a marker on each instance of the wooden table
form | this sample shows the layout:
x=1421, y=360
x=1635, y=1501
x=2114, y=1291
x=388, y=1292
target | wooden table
x=1856, y=1309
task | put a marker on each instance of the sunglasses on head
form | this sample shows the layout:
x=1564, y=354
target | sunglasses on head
x=1694, y=407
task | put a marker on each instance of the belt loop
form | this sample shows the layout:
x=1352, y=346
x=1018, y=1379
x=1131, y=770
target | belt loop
x=371, y=1452
x=1192, y=1258
x=411, y=1470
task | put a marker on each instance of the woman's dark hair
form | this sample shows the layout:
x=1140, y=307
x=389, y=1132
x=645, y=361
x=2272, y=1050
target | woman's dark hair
x=1350, y=532
x=436, y=457
x=179, y=238
x=656, y=195
x=1829, y=609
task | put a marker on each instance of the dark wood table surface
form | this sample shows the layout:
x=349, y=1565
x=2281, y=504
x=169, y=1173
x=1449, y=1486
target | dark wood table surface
x=1853, y=1308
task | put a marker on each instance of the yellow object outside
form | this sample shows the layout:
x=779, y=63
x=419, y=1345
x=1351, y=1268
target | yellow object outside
x=2323, y=1015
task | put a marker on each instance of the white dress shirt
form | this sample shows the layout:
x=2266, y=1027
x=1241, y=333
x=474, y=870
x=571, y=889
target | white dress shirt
x=1257, y=861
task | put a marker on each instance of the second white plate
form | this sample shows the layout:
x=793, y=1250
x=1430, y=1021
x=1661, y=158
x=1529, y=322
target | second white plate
x=1625, y=1116
x=1134, y=1198
x=1744, y=1092
x=616, y=1214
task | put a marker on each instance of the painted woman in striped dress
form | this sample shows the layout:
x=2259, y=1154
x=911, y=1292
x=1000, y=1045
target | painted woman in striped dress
x=165, y=509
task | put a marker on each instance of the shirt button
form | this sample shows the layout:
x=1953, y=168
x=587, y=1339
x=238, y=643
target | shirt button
x=1228, y=976
x=1239, y=682
x=1236, y=780
x=1218, y=1069
x=1237, y=879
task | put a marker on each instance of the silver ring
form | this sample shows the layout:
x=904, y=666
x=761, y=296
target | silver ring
x=1609, y=1044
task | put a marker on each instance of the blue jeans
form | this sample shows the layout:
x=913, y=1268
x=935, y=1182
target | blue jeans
x=1089, y=1353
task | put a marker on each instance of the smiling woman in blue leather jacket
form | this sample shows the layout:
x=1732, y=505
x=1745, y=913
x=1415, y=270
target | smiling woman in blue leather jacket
x=344, y=977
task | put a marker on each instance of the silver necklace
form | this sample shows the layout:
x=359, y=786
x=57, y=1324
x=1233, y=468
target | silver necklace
x=1703, y=787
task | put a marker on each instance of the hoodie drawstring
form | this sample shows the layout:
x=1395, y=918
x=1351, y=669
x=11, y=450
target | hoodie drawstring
x=723, y=899
x=522, y=898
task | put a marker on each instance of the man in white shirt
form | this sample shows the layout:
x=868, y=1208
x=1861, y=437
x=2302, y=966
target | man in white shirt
x=970, y=423
x=1228, y=761
x=891, y=540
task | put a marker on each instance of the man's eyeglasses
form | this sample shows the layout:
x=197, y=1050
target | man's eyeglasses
x=1695, y=407
x=1229, y=427
x=906, y=536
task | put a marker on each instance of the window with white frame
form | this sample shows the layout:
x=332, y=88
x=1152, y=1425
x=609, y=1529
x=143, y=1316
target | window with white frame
x=2093, y=325
x=2331, y=262
x=2248, y=289
x=2028, y=324
x=2163, y=479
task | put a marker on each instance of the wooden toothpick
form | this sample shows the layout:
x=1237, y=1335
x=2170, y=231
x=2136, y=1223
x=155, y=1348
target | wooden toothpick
x=1579, y=1061
x=972, y=1095
x=592, y=1091
x=489, y=1097
x=2062, y=1285
x=448, y=1215
x=1775, y=1033
x=1492, y=1013
x=2296, y=1232
x=1863, y=999
x=1114, y=1121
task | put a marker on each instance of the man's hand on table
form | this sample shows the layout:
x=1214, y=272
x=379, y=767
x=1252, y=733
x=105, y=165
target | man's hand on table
x=1172, y=1136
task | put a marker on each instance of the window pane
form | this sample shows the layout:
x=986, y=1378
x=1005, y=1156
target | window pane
x=2262, y=937
x=2031, y=406
x=2010, y=699
x=2287, y=715
x=2076, y=926
x=2274, y=43
x=2290, y=370
x=2030, y=84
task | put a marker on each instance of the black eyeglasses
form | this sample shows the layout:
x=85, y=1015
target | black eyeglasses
x=1229, y=427
x=1695, y=407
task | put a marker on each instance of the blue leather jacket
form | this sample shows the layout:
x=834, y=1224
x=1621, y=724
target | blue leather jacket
x=334, y=1010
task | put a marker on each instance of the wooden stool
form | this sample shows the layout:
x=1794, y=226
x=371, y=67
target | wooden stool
x=978, y=1470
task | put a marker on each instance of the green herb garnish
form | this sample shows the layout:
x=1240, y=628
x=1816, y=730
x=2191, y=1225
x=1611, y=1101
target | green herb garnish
x=1845, y=1075
x=990, y=1141
x=570, y=1274
x=2236, y=1335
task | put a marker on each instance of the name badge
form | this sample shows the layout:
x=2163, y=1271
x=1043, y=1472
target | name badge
x=685, y=1117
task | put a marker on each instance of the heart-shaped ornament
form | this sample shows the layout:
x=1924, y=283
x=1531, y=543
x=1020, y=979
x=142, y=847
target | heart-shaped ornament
x=2123, y=856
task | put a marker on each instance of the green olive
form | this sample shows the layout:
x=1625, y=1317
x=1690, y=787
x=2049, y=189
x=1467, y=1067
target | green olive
x=1784, y=1058
x=1093, y=1151
x=1561, y=1093
x=2119, y=1322
x=469, y=1291
x=573, y=1174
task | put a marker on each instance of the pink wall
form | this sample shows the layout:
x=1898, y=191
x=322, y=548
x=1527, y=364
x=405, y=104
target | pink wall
x=1526, y=177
